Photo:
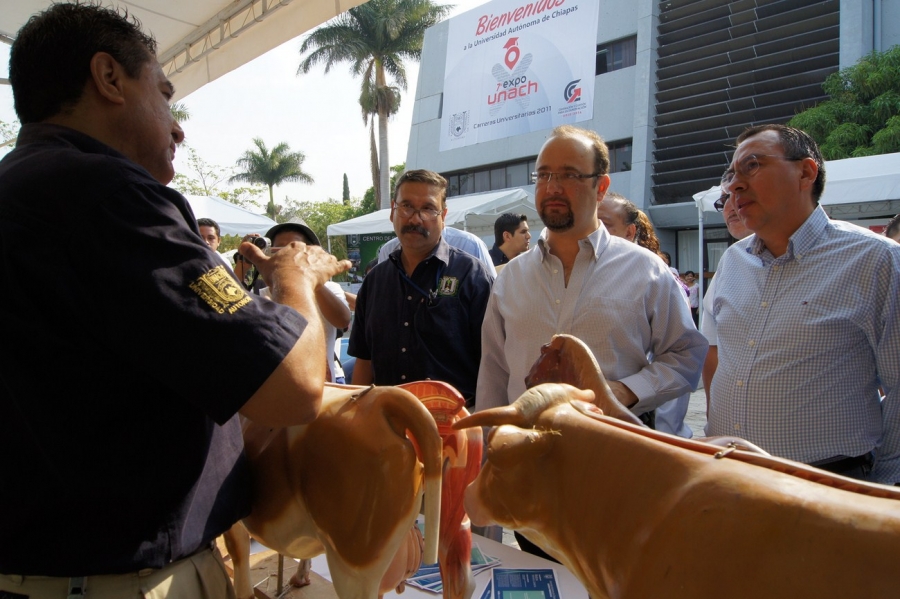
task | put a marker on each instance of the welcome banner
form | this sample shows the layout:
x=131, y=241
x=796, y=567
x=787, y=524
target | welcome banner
x=515, y=66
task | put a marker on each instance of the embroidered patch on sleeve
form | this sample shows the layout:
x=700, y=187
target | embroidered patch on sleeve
x=220, y=291
x=448, y=286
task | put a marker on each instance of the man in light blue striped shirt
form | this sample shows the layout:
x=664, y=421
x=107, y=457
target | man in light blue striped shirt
x=807, y=317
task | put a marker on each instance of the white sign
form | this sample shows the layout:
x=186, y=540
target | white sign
x=515, y=66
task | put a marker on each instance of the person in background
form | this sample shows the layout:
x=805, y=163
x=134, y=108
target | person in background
x=122, y=492
x=329, y=297
x=690, y=279
x=807, y=318
x=621, y=216
x=737, y=230
x=892, y=230
x=209, y=231
x=511, y=238
x=419, y=314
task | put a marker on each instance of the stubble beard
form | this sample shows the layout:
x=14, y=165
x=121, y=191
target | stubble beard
x=558, y=222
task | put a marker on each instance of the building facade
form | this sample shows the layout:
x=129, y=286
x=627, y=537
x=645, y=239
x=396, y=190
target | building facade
x=676, y=82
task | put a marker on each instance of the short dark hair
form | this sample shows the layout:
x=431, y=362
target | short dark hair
x=796, y=144
x=49, y=62
x=423, y=176
x=892, y=227
x=506, y=223
x=601, y=152
x=208, y=222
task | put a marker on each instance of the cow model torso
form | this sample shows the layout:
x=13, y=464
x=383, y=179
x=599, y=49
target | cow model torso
x=348, y=484
x=637, y=514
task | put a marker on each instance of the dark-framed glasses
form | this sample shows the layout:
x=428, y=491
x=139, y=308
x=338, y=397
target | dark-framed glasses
x=544, y=177
x=719, y=204
x=426, y=214
x=749, y=166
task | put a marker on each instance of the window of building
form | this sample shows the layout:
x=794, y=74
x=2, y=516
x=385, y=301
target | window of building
x=616, y=55
x=619, y=156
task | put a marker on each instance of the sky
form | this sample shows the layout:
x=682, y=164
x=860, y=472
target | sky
x=316, y=114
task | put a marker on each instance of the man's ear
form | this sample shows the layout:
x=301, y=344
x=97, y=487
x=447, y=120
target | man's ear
x=809, y=172
x=507, y=236
x=602, y=186
x=108, y=77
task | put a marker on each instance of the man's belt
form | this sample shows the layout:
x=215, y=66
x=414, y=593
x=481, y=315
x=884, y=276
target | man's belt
x=839, y=464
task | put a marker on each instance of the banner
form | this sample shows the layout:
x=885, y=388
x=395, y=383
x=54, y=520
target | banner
x=515, y=66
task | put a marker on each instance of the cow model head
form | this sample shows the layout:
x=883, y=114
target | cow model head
x=519, y=451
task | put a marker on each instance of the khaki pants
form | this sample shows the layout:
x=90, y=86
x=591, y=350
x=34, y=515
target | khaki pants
x=200, y=576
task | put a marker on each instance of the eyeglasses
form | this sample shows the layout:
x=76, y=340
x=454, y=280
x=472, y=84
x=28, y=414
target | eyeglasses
x=564, y=179
x=719, y=204
x=426, y=214
x=749, y=167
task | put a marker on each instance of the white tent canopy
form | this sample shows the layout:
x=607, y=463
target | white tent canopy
x=201, y=40
x=474, y=212
x=232, y=219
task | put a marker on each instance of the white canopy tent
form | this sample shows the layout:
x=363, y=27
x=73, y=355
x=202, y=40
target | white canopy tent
x=201, y=40
x=475, y=213
x=232, y=219
x=847, y=181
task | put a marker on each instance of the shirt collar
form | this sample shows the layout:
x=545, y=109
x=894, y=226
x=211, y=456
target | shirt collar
x=803, y=239
x=597, y=241
x=441, y=251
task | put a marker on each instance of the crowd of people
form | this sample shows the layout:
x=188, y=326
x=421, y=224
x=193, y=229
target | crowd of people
x=124, y=452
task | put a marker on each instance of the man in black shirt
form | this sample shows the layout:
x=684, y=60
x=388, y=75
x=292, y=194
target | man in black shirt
x=119, y=440
x=419, y=313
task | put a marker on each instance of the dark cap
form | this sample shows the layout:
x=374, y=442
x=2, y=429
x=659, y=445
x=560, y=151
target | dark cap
x=294, y=224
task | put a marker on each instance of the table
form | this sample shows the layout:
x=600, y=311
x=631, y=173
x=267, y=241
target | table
x=569, y=586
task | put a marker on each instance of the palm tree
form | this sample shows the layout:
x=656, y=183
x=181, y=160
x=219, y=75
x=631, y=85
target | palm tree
x=271, y=168
x=375, y=38
x=180, y=111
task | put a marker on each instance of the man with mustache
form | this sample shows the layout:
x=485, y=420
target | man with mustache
x=615, y=296
x=418, y=314
x=120, y=441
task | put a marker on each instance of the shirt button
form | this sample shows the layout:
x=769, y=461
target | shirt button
x=737, y=427
x=557, y=302
x=409, y=297
x=406, y=324
x=751, y=343
x=403, y=349
x=765, y=304
x=740, y=383
x=776, y=267
x=402, y=377
x=555, y=271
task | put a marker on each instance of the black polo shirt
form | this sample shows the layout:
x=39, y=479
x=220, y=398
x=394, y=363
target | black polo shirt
x=427, y=326
x=129, y=350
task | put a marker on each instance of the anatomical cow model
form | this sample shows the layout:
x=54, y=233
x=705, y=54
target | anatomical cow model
x=634, y=513
x=348, y=484
x=461, y=463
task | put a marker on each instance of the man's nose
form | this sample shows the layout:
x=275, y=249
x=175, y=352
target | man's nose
x=177, y=133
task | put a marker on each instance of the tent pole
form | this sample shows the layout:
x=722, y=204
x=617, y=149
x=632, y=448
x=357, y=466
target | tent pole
x=700, y=253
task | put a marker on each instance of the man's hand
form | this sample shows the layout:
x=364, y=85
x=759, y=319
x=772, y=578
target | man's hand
x=295, y=265
x=625, y=396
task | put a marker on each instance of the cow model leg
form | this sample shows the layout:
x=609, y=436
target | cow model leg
x=301, y=576
x=237, y=541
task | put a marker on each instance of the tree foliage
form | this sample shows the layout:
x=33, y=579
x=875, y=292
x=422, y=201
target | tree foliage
x=375, y=38
x=271, y=168
x=207, y=179
x=8, y=134
x=862, y=116
x=345, y=197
